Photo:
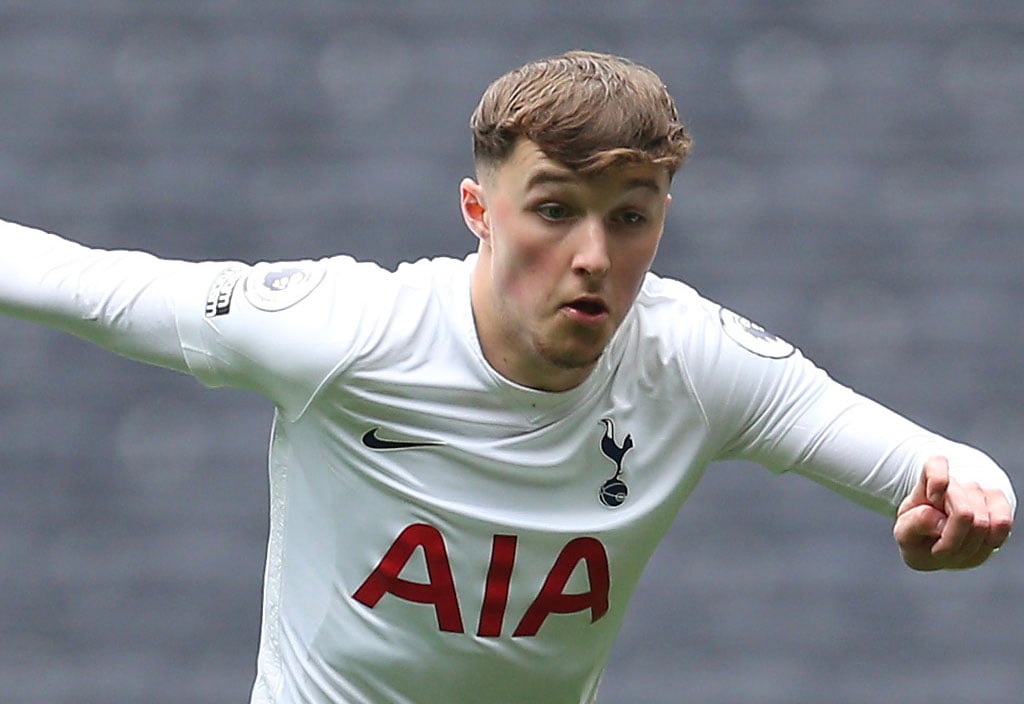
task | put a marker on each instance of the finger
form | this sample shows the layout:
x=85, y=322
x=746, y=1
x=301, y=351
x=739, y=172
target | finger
x=959, y=524
x=964, y=561
x=919, y=494
x=973, y=497
x=936, y=479
x=1000, y=521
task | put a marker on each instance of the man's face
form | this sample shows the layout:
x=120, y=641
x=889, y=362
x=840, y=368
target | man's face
x=561, y=260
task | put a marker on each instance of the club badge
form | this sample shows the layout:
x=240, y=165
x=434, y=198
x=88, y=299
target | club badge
x=614, y=491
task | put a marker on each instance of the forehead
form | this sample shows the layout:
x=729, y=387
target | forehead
x=528, y=167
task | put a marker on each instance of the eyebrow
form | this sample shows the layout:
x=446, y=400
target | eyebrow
x=546, y=176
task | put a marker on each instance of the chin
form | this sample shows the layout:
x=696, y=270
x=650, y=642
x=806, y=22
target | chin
x=572, y=360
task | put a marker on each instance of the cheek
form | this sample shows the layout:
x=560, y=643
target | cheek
x=523, y=256
x=632, y=266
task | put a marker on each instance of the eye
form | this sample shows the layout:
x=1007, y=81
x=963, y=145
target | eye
x=553, y=211
x=632, y=217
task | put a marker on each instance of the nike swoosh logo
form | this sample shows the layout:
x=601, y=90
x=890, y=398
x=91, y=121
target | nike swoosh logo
x=375, y=442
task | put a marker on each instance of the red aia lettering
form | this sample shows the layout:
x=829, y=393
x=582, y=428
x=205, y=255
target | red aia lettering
x=439, y=590
x=553, y=599
x=499, y=577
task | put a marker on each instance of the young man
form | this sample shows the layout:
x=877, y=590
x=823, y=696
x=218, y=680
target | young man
x=473, y=460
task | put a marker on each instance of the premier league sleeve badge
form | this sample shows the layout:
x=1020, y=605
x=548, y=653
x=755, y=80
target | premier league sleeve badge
x=752, y=337
x=274, y=287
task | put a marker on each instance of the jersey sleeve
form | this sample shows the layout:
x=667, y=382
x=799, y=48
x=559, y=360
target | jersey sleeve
x=284, y=329
x=765, y=402
x=279, y=329
x=122, y=300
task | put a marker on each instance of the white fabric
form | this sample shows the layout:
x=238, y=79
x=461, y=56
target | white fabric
x=511, y=482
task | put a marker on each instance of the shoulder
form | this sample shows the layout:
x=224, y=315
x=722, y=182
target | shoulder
x=438, y=275
x=678, y=315
x=284, y=327
x=676, y=333
x=661, y=296
x=280, y=285
x=673, y=317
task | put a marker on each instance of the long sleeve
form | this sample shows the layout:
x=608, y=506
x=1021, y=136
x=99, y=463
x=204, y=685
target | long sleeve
x=770, y=405
x=124, y=301
x=279, y=329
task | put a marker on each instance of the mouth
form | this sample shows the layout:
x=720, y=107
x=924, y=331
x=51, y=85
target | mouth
x=587, y=310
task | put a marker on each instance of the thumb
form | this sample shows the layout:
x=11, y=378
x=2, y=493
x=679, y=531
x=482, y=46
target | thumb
x=922, y=523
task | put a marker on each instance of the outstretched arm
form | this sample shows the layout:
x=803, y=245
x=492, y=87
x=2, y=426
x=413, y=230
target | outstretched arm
x=122, y=300
x=952, y=503
x=274, y=328
x=946, y=524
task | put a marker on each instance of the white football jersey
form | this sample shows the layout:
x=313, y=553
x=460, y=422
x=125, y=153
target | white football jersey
x=439, y=534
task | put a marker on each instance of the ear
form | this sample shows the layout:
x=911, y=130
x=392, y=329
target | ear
x=474, y=209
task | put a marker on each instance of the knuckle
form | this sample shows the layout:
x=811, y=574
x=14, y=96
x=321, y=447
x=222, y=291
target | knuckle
x=982, y=522
x=1001, y=526
x=963, y=515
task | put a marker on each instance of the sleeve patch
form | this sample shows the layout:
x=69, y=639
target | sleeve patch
x=752, y=337
x=275, y=286
x=218, y=299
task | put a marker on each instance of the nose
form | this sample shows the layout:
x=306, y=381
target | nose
x=591, y=256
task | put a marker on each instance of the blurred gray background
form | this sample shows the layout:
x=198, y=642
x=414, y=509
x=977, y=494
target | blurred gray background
x=857, y=186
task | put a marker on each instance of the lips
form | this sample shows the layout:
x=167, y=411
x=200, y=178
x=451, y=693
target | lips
x=589, y=305
x=588, y=310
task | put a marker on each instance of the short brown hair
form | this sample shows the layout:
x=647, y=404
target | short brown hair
x=583, y=109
